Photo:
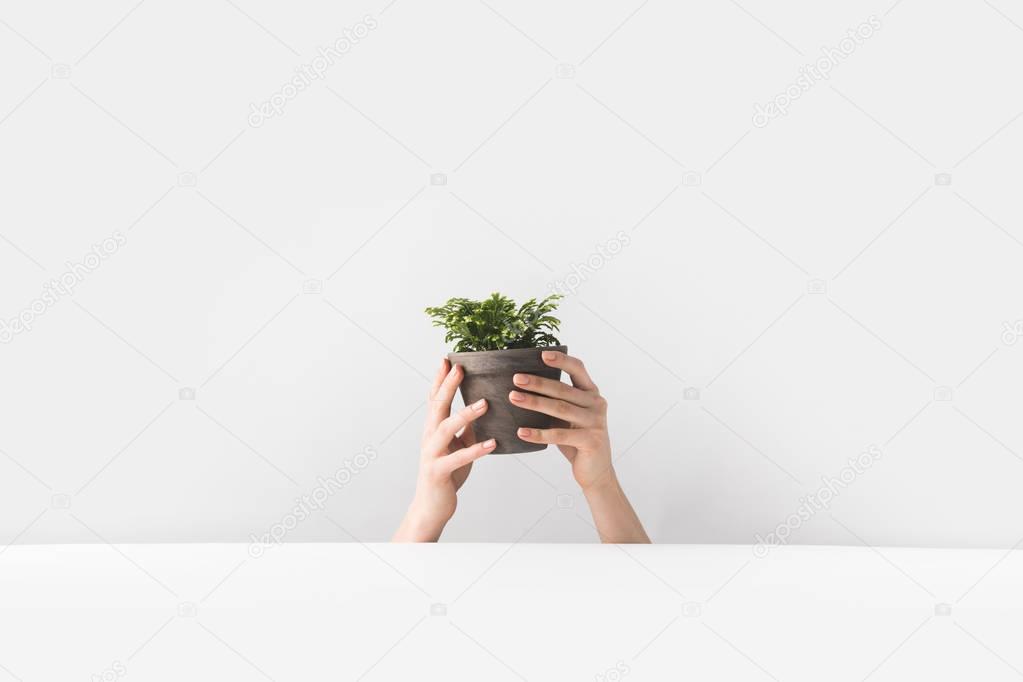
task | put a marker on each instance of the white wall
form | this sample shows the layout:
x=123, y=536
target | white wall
x=107, y=110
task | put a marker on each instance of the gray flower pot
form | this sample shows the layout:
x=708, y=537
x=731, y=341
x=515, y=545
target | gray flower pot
x=488, y=374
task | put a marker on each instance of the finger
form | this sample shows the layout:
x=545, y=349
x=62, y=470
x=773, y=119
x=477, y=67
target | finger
x=450, y=426
x=555, y=389
x=468, y=436
x=573, y=366
x=440, y=402
x=459, y=458
x=573, y=414
x=575, y=437
x=438, y=378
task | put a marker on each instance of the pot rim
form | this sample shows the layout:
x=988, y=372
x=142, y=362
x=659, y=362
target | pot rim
x=520, y=351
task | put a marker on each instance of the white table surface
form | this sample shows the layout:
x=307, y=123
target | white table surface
x=498, y=611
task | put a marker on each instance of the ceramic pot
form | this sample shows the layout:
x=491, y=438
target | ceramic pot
x=488, y=374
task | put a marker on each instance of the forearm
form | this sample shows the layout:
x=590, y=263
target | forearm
x=613, y=515
x=418, y=526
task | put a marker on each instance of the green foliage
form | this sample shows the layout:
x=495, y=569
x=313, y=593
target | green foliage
x=496, y=324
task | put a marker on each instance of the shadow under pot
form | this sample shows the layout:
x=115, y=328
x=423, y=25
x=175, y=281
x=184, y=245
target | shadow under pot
x=488, y=374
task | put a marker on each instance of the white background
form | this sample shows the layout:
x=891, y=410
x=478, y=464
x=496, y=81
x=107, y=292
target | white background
x=556, y=127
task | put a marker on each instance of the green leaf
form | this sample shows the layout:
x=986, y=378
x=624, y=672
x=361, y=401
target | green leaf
x=496, y=323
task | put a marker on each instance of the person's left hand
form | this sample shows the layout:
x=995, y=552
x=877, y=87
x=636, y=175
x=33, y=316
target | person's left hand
x=581, y=414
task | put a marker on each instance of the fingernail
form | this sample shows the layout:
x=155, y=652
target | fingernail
x=487, y=444
x=525, y=432
x=549, y=355
x=516, y=397
x=479, y=404
x=521, y=379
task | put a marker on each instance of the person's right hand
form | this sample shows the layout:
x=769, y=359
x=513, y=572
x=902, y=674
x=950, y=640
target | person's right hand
x=448, y=450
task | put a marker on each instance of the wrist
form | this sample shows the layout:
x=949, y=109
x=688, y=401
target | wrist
x=606, y=483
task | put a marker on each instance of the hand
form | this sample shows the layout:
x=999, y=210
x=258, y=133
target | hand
x=581, y=418
x=447, y=452
x=581, y=434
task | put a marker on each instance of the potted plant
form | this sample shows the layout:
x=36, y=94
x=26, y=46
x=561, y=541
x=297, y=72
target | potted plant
x=494, y=340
